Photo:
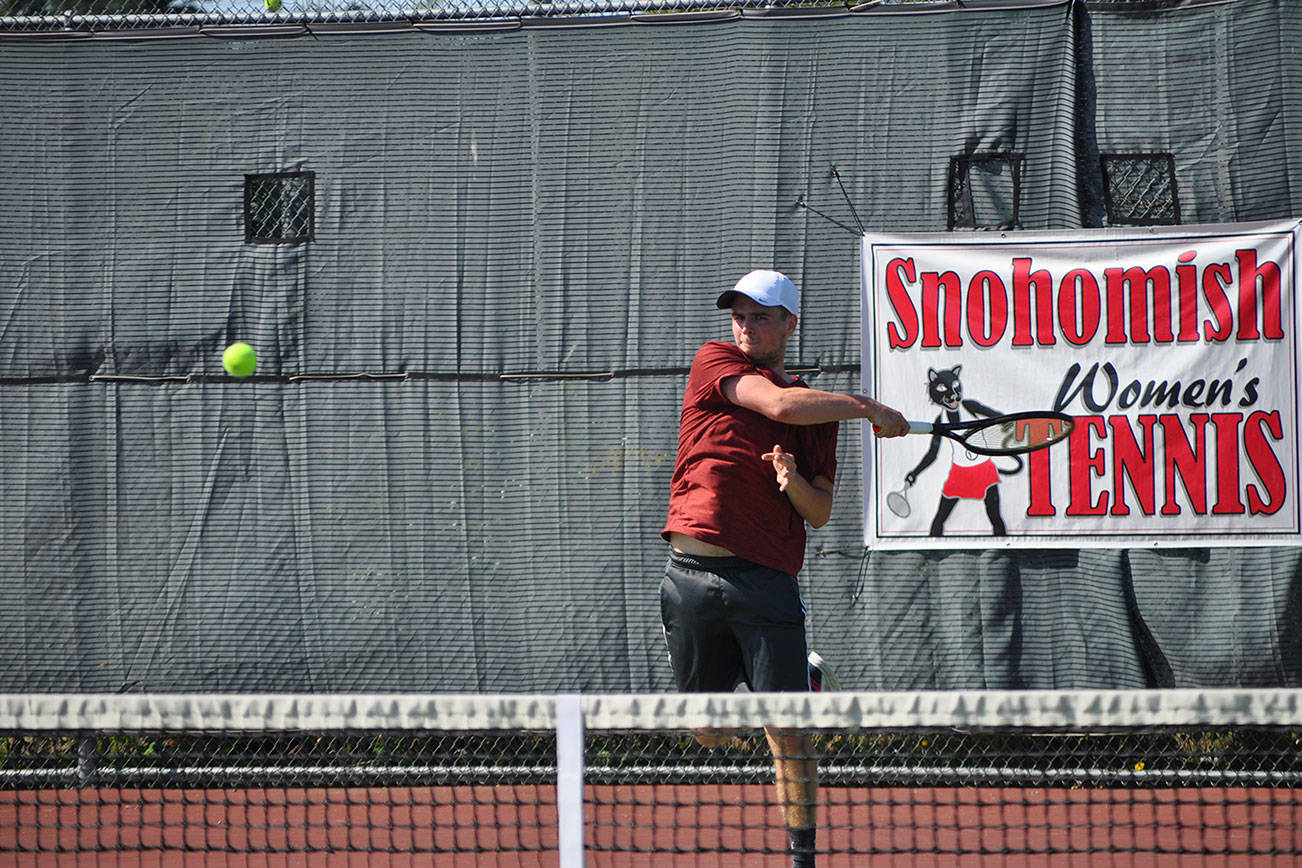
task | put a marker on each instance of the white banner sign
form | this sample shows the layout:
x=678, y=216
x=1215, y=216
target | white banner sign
x=1175, y=348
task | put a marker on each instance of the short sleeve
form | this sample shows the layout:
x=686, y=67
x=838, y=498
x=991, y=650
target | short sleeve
x=714, y=363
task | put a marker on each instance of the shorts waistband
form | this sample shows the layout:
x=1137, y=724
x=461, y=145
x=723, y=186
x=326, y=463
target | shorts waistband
x=706, y=562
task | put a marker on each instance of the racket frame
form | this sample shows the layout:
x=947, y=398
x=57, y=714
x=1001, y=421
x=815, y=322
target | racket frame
x=960, y=431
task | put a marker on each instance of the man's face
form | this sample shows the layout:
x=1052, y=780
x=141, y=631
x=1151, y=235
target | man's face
x=761, y=332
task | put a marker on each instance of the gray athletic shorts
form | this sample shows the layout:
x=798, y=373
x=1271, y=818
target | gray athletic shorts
x=729, y=621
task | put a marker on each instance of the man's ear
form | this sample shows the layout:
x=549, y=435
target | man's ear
x=791, y=323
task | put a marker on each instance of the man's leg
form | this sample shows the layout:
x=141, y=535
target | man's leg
x=770, y=623
x=797, y=783
x=702, y=652
x=767, y=622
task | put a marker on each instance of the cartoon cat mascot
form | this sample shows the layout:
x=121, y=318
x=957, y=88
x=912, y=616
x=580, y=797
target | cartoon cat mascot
x=972, y=477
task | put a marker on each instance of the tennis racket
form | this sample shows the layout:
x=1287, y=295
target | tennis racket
x=1012, y=434
x=898, y=501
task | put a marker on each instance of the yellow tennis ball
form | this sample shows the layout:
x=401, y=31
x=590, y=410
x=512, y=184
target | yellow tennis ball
x=273, y=5
x=239, y=360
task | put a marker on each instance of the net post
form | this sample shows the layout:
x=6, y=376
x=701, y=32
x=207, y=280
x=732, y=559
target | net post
x=569, y=779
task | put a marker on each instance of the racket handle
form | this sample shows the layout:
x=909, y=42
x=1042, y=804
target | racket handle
x=919, y=427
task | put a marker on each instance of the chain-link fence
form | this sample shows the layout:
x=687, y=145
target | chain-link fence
x=102, y=15
x=1140, y=189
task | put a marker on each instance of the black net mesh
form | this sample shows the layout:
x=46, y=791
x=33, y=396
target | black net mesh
x=1219, y=784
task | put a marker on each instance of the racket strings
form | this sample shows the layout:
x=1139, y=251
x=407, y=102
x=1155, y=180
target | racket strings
x=1019, y=435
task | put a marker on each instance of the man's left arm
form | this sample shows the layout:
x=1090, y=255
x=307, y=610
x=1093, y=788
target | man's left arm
x=811, y=498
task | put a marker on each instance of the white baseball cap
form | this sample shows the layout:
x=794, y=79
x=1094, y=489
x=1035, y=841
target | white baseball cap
x=769, y=288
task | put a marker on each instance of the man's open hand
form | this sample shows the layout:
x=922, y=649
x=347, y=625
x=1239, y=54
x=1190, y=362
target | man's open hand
x=784, y=464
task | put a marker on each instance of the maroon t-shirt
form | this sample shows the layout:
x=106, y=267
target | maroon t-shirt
x=722, y=492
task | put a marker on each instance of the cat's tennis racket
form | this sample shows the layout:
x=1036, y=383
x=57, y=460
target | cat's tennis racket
x=1012, y=434
x=898, y=501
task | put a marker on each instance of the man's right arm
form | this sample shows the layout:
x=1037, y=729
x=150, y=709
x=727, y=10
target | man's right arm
x=811, y=406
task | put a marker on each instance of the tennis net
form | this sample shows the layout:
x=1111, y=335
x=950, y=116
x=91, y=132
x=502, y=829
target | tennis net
x=620, y=780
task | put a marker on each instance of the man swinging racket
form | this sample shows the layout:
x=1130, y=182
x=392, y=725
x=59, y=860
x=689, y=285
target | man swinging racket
x=756, y=461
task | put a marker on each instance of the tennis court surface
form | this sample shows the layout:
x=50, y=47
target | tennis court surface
x=928, y=778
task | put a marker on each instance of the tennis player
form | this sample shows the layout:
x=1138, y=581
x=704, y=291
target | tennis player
x=756, y=462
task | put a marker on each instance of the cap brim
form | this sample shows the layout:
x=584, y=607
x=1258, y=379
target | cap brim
x=726, y=299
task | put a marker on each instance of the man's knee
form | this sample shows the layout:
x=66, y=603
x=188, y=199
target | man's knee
x=790, y=744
